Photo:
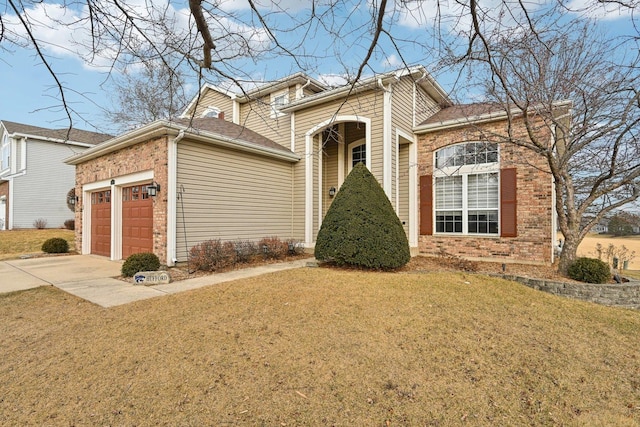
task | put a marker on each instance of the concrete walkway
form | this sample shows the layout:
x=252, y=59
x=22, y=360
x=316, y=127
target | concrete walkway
x=92, y=278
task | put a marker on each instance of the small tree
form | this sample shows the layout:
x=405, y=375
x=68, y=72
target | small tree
x=361, y=228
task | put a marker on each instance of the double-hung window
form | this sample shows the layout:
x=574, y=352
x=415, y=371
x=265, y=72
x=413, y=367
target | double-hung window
x=467, y=189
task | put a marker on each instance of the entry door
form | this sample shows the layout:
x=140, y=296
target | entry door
x=101, y=223
x=137, y=221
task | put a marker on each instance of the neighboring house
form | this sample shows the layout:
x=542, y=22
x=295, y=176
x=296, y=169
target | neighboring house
x=268, y=163
x=34, y=180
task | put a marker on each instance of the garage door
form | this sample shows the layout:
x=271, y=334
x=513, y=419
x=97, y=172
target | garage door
x=137, y=221
x=101, y=223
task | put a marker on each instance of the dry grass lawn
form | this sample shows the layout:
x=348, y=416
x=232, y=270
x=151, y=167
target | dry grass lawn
x=14, y=243
x=321, y=347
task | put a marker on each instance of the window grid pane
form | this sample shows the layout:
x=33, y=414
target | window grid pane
x=449, y=222
x=472, y=153
x=483, y=222
x=482, y=191
x=359, y=154
x=449, y=192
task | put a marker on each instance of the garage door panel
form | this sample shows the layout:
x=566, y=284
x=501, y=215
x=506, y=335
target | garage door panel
x=137, y=221
x=101, y=223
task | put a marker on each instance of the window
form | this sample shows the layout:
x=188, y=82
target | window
x=211, y=112
x=5, y=155
x=279, y=100
x=359, y=155
x=467, y=189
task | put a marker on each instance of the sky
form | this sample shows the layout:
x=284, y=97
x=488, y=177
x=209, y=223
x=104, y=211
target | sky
x=29, y=94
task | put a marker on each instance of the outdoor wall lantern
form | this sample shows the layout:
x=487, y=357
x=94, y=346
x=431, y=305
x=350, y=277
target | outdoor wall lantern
x=153, y=189
x=332, y=191
x=72, y=200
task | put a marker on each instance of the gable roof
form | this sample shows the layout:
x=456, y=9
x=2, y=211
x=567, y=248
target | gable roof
x=55, y=135
x=206, y=129
x=228, y=129
x=418, y=73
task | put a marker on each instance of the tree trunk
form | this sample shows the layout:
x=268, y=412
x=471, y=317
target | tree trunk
x=568, y=254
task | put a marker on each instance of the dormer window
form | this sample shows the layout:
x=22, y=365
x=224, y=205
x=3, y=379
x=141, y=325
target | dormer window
x=279, y=100
x=213, y=112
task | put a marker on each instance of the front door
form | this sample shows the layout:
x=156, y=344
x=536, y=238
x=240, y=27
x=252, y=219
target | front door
x=101, y=223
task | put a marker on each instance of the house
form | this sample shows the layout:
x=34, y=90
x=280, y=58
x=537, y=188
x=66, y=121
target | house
x=34, y=180
x=268, y=162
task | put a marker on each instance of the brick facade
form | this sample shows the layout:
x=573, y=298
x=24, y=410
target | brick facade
x=145, y=156
x=534, y=205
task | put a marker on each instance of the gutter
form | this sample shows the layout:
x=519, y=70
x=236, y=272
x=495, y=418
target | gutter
x=49, y=139
x=162, y=128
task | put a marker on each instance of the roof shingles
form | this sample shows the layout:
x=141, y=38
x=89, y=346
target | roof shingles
x=63, y=134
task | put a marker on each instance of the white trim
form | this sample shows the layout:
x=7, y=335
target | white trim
x=413, y=193
x=172, y=194
x=116, y=208
x=341, y=150
x=235, y=110
x=3, y=212
x=13, y=154
x=308, y=158
x=350, y=147
x=11, y=204
x=387, y=156
x=292, y=146
x=320, y=183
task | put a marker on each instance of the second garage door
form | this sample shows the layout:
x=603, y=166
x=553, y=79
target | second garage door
x=137, y=220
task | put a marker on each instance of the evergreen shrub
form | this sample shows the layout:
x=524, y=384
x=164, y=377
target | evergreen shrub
x=144, y=261
x=361, y=228
x=55, y=245
x=589, y=270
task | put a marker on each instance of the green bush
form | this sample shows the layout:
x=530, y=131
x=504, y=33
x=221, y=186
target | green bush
x=55, y=245
x=361, y=228
x=589, y=270
x=144, y=261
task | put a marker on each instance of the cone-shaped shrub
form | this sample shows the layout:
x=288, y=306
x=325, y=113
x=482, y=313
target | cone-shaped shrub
x=361, y=228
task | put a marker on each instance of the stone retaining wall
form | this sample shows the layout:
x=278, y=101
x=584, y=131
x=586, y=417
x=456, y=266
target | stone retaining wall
x=625, y=295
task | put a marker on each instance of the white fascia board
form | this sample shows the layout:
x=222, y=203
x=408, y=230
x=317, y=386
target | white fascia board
x=19, y=135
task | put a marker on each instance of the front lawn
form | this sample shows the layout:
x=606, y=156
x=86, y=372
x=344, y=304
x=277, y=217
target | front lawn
x=15, y=243
x=321, y=347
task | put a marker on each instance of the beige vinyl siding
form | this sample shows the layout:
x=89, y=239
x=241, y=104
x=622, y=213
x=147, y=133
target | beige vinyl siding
x=329, y=173
x=401, y=119
x=227, y=194
x=213, y=98
x=256, y=115
x=403, y=186
x=425, y=106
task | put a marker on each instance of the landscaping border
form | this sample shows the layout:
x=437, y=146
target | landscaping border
x=626, y=295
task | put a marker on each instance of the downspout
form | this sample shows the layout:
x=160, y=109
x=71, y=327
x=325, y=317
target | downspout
x=300, y=93
x=386, y=138
x=172, y=177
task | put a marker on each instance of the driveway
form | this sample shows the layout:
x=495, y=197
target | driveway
x=92, y=278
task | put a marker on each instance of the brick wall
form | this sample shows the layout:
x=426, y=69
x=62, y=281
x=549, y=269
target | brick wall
x=149, y=155
x=534, y=204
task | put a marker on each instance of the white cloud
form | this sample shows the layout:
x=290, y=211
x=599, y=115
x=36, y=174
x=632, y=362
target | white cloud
x=607, y=11
x=65, y=31
x=391, y=61
x=333, y=80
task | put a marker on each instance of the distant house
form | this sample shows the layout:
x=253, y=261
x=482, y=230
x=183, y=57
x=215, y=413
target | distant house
x=34, y=180
x=268, y=162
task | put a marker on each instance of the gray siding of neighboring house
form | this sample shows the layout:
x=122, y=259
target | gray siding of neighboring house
x=42, y=191
x=227, y=194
